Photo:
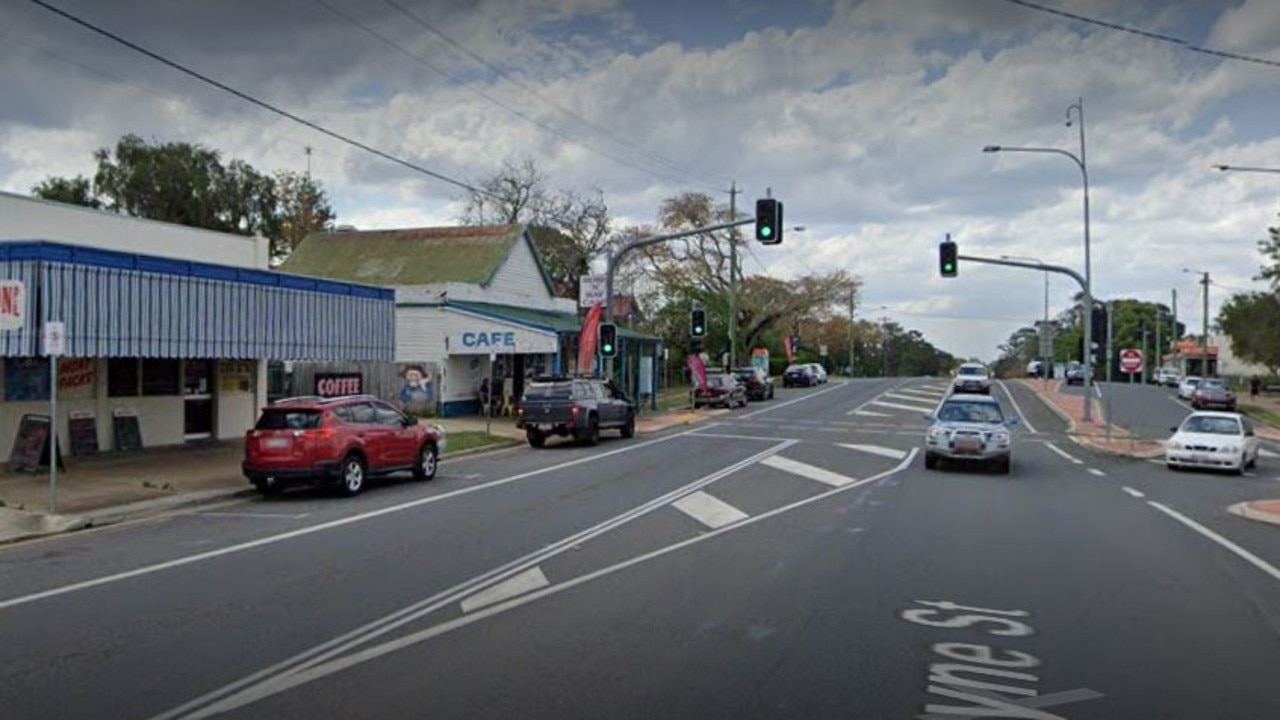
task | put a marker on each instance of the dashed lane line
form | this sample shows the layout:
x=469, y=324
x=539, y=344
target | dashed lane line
x=1133, y=492
x=1063, y=454
x=1097, y=472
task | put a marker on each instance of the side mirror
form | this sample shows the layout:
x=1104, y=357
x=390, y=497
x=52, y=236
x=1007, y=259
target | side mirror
x=410, y=420
x=1173, y=429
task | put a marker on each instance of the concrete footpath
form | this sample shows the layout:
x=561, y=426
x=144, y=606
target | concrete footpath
x=113, y=488
x=1094, y=435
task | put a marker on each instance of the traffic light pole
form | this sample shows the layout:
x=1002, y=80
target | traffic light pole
x=1088, y=316
x=616, y=257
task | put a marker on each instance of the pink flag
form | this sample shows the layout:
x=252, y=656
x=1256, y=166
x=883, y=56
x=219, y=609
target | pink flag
x=791, y=352
x=698, y=369
x=588, y=339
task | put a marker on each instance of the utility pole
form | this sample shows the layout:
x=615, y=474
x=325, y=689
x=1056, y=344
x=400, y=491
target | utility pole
x=851, y=293
x=1159, y=350
x=307, y=150
x=733, y=276
x=1204, y=328
x=1173, y=327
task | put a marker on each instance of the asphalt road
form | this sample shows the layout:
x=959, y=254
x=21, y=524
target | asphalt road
x=792, y=559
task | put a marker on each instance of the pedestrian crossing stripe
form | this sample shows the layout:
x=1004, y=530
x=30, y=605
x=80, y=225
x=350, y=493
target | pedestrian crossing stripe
x=893, y=453
x=900, y=406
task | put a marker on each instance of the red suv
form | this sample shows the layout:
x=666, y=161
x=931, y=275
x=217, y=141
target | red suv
x=342, y=440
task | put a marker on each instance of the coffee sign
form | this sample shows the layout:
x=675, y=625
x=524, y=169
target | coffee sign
x=339, y=384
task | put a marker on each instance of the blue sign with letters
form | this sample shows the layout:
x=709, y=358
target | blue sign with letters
x=497, y=339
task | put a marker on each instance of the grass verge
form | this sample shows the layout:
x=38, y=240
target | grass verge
x=1261, y=413
x=475, y=441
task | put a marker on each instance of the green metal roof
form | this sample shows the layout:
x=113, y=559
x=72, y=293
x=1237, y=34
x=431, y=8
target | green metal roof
x=543, y=319
x=418, y=256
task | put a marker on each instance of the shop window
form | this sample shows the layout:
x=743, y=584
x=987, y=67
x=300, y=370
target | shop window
x=26, y=379
x=161, y=377
x=122, y=377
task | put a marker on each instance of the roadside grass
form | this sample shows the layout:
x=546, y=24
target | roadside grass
x=474, y=440
x=1261, y=413
x=675, y=397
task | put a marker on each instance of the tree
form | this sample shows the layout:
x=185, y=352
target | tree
x=1252, y=321
x=74, y=191
x=303, y=208
x=569, y=229
x=1270, y=249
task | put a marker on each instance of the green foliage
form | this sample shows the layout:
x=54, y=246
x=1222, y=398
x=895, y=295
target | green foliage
x=1252, y=321
x=73, y=191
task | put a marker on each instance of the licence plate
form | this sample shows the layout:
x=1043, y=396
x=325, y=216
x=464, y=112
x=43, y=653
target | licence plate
x=968, y=445
x=276, y=443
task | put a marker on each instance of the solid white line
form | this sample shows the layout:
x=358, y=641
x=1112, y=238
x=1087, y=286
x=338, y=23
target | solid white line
x=877, y=450
x=1063, y=454
x=273, y=516
x=527, y=581
x=727, y=436
x=810, y=396
x=708, y=510
x=1095, y=471
x=1249, y=557
x=899, y=406
x=287, y=682
x=376, y=628
x=1132, y=492
x=1017, y=408
x=301, y=532
x=812, y=472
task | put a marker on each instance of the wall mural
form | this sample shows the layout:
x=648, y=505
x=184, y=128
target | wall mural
x=418, y=389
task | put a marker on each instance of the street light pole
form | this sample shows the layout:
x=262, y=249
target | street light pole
x=1046, y=355
x=1080, y=161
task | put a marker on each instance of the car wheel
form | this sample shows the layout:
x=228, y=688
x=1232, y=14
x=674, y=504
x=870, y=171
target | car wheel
x=1002, y=465
x=425, y=467
x=591, y=434
x=535, y=438
x=269, y=486
x=770, y=392
x=930, y=461
x=351, y=475
x=629, y=429
x=1172, y=466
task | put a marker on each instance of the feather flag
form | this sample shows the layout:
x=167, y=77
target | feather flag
x=588, y=339
x=697, y=369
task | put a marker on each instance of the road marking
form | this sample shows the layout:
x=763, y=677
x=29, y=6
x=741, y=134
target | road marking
x=274, y=516
x=877, y=450
x=900, y=406
x=526, y=582
x=870, y=413
x=1132, y=492
x=921, y=391
x=900, y=396
x=300, y=676
x=1062, y=453
x=1017, y=408
x=727, y=436
x=1263, y=452
x=1249, y=557
x=301, y=532
x=806, y=470
x=810, y=396
x=1095, y=471
x=708, y=510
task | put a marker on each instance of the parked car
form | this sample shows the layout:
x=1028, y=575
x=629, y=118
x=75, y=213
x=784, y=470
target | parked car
x=1213, y=394
x=1167, y=376
x=1217, y=440
x=1188, y=386
x=972, y=378
x=1035, y=368
x=799, y=376
x=342, y=440
x=971, y=429
x=1075, y=374
x=723, y=390
x=757, y=382
x=578, y=407
x=819, y=372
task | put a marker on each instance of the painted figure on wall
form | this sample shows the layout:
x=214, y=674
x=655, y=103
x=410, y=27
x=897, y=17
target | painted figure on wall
x=418, y=393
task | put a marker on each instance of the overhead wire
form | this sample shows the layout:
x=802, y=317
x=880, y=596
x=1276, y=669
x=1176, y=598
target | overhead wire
x=258, y=102
x=623, y=142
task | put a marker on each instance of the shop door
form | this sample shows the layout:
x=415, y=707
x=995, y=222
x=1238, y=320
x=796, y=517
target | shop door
x=198, y=399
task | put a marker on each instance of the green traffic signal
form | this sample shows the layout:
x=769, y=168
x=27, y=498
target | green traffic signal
x=948, y=258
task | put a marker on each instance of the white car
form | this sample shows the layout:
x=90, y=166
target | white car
x=1167, y=377
x=819, y=372
x=1216, y=440
x=972, y=377
x=1187, y=388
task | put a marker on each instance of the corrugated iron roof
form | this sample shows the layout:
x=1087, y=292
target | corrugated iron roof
x=412, y=256
x=544, y=319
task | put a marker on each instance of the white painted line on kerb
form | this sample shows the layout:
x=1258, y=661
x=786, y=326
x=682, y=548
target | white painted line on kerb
x=526, y=582
x=1245, y=555
x=708, y=510
x=900, y=406
x=877, y=450
x=1132, y=492
x=1017, y=408
x=1097, y=472
x=1063, y=454
x=806, y=470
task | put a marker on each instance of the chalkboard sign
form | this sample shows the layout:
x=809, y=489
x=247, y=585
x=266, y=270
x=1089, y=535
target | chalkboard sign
x=128, y=433
x=84, y=434
x=31, y=446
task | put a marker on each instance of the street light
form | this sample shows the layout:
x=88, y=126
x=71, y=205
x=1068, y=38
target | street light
x=1204, y=322
x=1081, y=162
x=1046, y=354
x=1240, y=168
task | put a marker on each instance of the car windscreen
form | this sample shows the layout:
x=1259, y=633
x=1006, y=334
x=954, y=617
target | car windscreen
x=798, y=369
x=1213, y=383
x=549, y=391
x=281, y=419
x=970, y=412
x=1212, y=425
x=972, y=371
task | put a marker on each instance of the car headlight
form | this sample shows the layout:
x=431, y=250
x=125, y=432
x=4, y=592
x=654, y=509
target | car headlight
x=1175, y=445
x=1001, y=438
x=1229, y=449
x=936, y=432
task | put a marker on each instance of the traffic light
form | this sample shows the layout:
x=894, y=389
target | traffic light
x=698, y=323
x=768, y=221
x=948, y=258
x=608, y=340
x=1098, y=325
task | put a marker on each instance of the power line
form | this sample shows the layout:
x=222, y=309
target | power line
x=255, y=101
x=446, y=74
x=1159, y=37
x=523, y=86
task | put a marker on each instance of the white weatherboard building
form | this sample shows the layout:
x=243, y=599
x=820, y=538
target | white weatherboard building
x=471, y=303
x=169, y=324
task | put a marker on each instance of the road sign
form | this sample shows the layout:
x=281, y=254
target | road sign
x=591, y=290
x=55, y=338
x=1130, y=361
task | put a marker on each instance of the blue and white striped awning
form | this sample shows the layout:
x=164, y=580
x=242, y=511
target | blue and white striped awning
x=125, y=305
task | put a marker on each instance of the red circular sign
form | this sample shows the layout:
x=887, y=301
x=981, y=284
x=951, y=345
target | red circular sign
x=1130, y=360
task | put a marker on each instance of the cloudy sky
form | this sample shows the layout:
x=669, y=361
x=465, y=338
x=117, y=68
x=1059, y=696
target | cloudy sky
x=867, y=119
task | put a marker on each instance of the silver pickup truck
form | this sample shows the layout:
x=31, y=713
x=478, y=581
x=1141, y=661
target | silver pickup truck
x=577, y=407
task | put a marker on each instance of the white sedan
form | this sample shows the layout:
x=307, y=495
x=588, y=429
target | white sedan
x=1217, y=440
x=1187, y=387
